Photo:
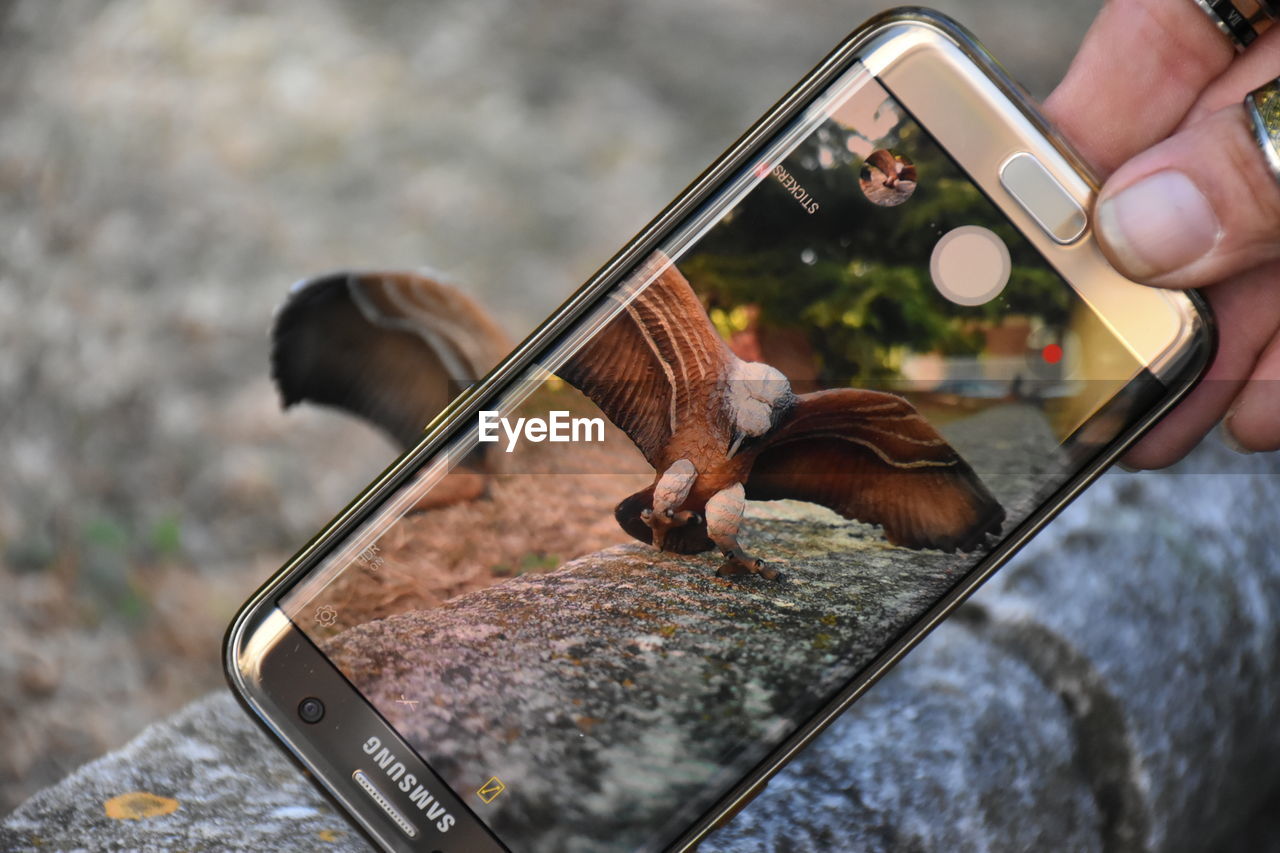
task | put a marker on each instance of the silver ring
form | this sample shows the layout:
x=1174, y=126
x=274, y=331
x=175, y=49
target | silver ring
x=1242, y=21
x=1263, y=106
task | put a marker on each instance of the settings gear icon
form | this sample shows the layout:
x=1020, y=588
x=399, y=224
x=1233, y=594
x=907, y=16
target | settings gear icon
x=326, y=616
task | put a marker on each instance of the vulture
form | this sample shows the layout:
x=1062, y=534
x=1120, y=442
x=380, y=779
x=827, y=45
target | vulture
x=392, y=348
x=888, y=168
x=718, y=430
x=888, y=179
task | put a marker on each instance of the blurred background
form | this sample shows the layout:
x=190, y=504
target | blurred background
x=169, y=167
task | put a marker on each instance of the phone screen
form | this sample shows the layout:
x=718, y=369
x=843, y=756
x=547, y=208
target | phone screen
x=828, y=396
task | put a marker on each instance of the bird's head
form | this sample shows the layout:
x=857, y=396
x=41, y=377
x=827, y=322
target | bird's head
x=759, y=395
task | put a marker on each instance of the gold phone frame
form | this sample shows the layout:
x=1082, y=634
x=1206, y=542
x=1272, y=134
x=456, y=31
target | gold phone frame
x=982, y=118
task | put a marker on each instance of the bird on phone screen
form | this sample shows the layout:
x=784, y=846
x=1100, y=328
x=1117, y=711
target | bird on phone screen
x=718, y=430
x=887, y=179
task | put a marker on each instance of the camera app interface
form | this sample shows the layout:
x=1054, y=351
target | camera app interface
x=784, y=437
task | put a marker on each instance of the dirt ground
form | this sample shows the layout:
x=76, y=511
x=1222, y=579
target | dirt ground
x=168, y=167
x=542, y=508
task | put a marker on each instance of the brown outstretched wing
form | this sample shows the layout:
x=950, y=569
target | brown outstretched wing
x=656, y=365
x=392, y=348
x=872, y=457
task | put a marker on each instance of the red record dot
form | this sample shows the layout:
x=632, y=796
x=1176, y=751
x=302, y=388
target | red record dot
x=1052, y=354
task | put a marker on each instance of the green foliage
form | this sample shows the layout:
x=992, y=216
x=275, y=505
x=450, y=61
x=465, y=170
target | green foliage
x=166, y=537
x=532, y=562
x=110, y=581
x=854, y=276
x=106, y=534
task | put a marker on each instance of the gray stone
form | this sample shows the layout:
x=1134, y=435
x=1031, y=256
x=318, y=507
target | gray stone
x=1155, y=613
x=597, y=687
x=961, y=748
x=1261, y=834
x=1111, y=690
x=1149, y=608
x=234, y=789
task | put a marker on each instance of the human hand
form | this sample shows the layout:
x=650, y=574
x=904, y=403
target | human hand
x=1154, y=100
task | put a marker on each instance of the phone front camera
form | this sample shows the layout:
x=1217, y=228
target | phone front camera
x=311, y=710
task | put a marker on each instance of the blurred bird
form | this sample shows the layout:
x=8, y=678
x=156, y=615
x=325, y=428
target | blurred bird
x=718, y=430
x=392, y=348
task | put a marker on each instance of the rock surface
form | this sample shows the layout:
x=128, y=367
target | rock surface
x=1112, y=689
x=611, y=690
x=234, y=791
x=960, y=748
x=1167, y=646
x=596, y=686
x=1148, y=610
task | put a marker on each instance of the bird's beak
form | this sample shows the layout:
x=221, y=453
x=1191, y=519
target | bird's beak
x=735, y=444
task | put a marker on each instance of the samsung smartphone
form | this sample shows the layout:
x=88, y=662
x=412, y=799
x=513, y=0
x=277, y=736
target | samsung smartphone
x=783, y=433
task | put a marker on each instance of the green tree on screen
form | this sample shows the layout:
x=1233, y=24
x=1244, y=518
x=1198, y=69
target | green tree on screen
x=855, y=276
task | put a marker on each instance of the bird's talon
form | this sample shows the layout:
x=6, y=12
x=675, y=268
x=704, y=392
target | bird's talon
x=741, y=563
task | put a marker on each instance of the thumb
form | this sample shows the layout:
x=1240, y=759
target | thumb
x=1197, y=208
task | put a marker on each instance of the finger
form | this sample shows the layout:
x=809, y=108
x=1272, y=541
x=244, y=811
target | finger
x=1260, y=65
x=1141, y=67
x=1248, y=312
x=1194, y=209
x=1254, y=420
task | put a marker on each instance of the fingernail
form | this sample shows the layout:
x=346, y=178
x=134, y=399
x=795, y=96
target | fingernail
x=1229, y=437
x=1160, y=224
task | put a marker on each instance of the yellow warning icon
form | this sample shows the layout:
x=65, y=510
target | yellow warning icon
x=490, y=790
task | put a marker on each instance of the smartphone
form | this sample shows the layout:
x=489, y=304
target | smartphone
x=753, y=461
